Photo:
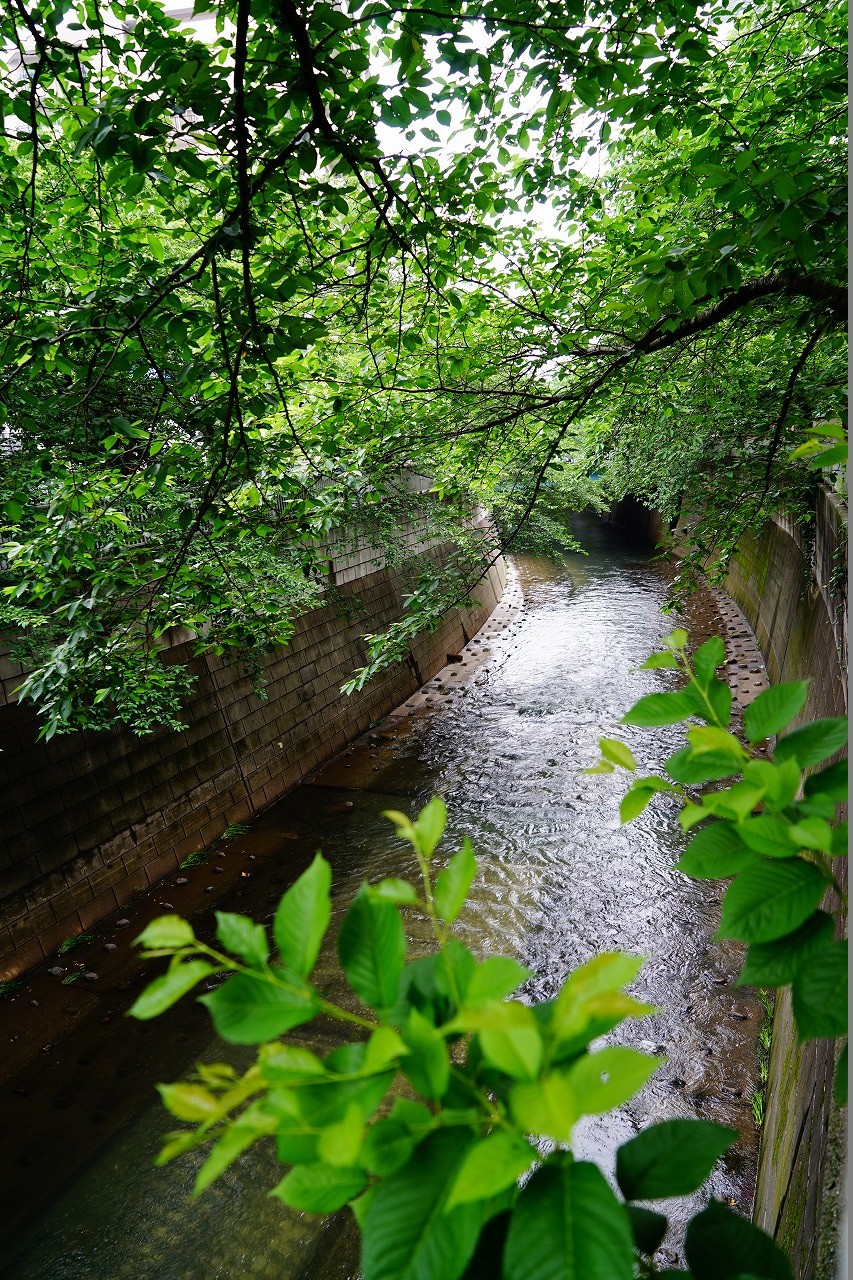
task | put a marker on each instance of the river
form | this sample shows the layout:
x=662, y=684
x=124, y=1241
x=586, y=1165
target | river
x=503, y=737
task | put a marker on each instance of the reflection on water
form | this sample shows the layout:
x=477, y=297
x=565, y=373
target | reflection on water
x=559, y=880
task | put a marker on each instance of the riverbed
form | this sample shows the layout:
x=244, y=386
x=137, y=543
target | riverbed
x=503, y=735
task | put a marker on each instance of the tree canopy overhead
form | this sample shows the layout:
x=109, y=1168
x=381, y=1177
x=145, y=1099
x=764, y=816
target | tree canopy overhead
x=258, y=261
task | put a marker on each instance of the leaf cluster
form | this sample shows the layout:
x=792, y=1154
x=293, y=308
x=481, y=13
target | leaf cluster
x=455, y=1090
x=766, y=820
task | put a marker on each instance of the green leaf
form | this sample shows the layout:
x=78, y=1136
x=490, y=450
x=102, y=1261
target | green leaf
x=634, y=802
x=833, y=457
x=405, y=1233
x=773, y=709
x=451, y=887
x=609, y=971
x=339, y=1143
x=647, y=1227
x=707, y=658
x=715, y=852
x=813, y=742
x=771, y=899
x=672, y=1158
x=489, y=1167
x=287, y=1063
x=414, y=1115
x=303, y=917
x=189, y=1101
x=568, y=1225
x=247, y=1009
x=295, y=1141
x=402, y=822
x=372, y=950
x=604, y=1080
x=242, y=937
x=429, y=825
x=719, y=695
x=325, y=1102
x=383, y=1048
x=319, y=1188
x=819, y=993
x=779, y=783
x=708, y=739
x=721, y=1245
x=166, y=990
x=388, y=1145
x=495, y=978
x=775, y=964
x=546, y=1108
x=661, y=708
x=514, y=1043
x=166, y=933
x=830, y=782
x=639, y=795
x=771, y=837
x=839, y=840
x=811, y=833
x=736, y=802
x=592, y=992
x=456, y=960
x=593, y=1018
x=692, y=768
x=617, y=753
x=676, y=641
x=236, y=1139
x=392, y=890
x=658, y=660
x=428, y=1064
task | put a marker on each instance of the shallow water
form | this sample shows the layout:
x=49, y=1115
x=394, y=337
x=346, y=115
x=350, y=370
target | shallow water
x=503, y=737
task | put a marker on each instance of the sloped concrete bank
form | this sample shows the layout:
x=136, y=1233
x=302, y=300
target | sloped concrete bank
x=790, y=584
x=89, y=819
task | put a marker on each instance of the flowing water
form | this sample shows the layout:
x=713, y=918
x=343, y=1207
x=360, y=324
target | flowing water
x=503, y=737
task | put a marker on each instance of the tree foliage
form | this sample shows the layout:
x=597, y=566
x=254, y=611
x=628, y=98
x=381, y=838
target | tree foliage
x=261, y=265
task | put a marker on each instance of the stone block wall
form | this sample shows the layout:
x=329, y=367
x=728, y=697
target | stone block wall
x=87, y=819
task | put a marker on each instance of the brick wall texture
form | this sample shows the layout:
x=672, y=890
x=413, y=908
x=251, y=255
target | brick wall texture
x=87, y=819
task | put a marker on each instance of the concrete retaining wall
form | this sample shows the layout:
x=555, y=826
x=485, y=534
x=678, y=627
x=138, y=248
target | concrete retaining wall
x=87, y=819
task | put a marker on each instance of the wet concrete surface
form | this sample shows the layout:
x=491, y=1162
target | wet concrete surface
x=502, y=733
